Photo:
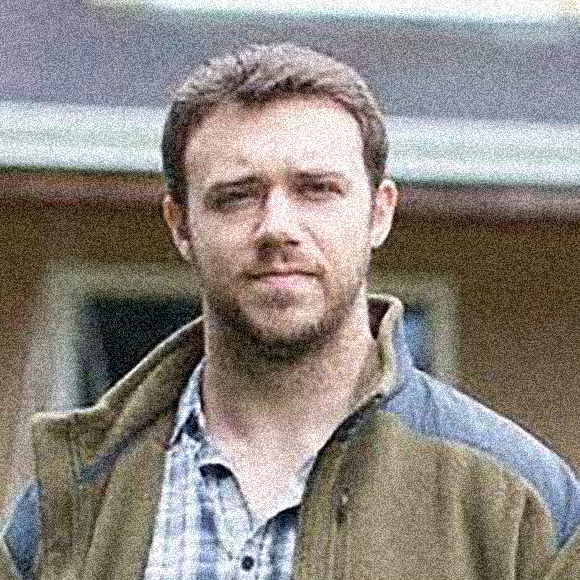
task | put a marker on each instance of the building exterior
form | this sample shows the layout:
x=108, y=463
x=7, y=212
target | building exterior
x=485, y=130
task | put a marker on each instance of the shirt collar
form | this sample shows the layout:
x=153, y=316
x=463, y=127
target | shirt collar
x=387, y=380
x=190, y=417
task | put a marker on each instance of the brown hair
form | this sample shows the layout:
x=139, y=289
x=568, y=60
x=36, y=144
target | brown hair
x=260, y=74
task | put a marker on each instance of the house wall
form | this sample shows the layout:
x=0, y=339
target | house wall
x=516, y=286
x=517, y=314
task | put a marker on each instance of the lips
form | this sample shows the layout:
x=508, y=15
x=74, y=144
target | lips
x=289, y=281
x=298, y=268
x=283, y=278
x=280, y=273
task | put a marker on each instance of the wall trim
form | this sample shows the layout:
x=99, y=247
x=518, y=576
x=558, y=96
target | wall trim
x=423, y=150
x=489, y=203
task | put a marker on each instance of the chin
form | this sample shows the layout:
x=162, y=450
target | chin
x=287, y=336
x=276, y=344
x=286, y=327
x=282, y=333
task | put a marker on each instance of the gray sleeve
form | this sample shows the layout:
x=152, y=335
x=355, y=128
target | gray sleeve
x=20, y=539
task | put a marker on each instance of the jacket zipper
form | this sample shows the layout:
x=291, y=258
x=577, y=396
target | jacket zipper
x=335, y=551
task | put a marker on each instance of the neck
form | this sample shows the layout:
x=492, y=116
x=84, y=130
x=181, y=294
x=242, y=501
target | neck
x=293, y=402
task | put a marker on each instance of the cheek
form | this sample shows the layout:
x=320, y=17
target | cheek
x=343, y=236
x=217, y=253
x=347, y=261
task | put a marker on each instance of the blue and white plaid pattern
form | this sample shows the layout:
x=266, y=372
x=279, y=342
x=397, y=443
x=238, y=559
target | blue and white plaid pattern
x=204, y=529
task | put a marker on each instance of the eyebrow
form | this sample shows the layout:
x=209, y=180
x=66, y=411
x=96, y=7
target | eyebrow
x=255, y=179
x=226, y=183
x=318, y=174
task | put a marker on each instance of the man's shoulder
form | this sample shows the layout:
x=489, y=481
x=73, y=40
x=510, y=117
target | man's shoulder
x=438, y=411
x=141, y=406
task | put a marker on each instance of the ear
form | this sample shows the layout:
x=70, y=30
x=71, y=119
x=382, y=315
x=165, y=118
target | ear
x=383, y=211
x=175, y=215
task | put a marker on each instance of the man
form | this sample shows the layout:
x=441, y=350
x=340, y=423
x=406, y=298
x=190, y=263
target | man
x=287, y=434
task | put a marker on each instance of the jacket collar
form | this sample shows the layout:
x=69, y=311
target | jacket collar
x=153, y=388
x=394, y=359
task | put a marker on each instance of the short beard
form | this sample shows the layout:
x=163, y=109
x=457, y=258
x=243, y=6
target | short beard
x=253, y=342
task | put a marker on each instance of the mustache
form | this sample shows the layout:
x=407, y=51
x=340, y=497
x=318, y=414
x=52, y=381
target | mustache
x=284, y=261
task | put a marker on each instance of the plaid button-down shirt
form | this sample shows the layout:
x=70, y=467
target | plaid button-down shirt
x=204, y=528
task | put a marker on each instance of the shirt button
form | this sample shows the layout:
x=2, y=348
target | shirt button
x=247, y=563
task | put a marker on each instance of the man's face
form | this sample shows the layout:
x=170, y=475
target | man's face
x=279, y=219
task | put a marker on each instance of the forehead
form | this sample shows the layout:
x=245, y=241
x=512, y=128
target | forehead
x=297, y=133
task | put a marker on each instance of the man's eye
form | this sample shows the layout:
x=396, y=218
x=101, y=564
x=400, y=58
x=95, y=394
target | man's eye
x=236, y=195
x=232, y=198
x=321, y=189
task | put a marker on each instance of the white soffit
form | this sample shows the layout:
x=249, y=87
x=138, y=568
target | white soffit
x=453, y=151
x=458, y=10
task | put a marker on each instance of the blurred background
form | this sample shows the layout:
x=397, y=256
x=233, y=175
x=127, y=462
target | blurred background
x=484, y=117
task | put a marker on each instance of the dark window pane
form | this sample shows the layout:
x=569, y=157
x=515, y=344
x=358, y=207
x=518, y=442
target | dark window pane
x=118, y=332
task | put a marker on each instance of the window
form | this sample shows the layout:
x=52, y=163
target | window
x=95, y=325
x=118, y=331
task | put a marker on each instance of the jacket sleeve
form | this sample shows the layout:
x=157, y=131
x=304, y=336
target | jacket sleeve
x=566, y=566
x=20, y=538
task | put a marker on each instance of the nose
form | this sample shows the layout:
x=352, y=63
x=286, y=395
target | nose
x=279, y=220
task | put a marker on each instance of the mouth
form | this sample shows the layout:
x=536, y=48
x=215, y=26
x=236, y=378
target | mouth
x=284, y=279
